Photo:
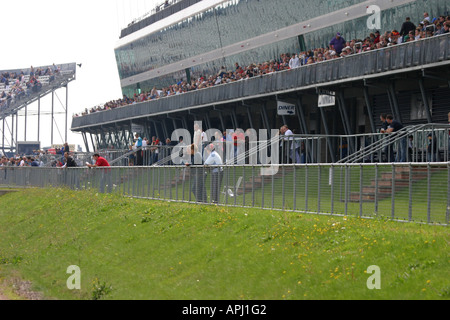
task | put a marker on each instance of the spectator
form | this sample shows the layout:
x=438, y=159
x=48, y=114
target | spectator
x=34, y=162
x=214, y=160
x=446, y=28
x=294, y=62
x=407, y=26
x=338, y=43
x=197, y=173
x=410, y=148
x=432, y=148
x=396, y=126
x=287, y=145
x=69, y=161
x=138, y=148
x=99, y=162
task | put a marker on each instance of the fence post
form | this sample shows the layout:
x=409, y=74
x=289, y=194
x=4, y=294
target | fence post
x=360, y=190
x=331, y=181
x=319, y=169
x=410, y=192
x=393, y=192
x=447, y=217
x=428, y=192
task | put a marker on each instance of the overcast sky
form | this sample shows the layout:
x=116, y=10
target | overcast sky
x=38, y=33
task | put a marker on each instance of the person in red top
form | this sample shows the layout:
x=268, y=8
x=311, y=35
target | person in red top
x=99, y=162
x=104, y=175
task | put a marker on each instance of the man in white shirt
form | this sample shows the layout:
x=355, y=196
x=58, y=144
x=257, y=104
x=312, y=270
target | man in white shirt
x=294, y=62
x=214, y=160
x=197, y=136
x=23, y=162
x=287, y=144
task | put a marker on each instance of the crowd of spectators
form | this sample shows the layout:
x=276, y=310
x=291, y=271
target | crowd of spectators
x=15, y=86
x=37, y=158
x=337, y=48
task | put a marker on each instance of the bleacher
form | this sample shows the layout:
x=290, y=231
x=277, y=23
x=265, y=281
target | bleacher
x=14, y=95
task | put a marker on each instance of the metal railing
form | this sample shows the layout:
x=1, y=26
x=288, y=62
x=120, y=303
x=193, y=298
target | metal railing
x=421, y=143
x=417, y=192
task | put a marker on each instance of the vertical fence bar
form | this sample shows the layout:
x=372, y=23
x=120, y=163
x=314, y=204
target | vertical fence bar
x=376, y=189
x=429, y=193
x=294, y=199
x=273, y=189
x=360, y=190
x=331, y=181
x=282, y=187
x=410, y=184
x=393, y=192
x=319, y=182
x=447, y=216
x=262, y=191
x=234, y=183
x=346, y=184
x=306, y=186
x=253, y=185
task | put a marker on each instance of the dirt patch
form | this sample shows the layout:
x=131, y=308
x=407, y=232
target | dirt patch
x=22, y=290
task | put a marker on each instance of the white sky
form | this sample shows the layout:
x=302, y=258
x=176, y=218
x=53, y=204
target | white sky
x=38, y=33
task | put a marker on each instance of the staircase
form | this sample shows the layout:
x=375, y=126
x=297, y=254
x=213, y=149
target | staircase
x=382, y=188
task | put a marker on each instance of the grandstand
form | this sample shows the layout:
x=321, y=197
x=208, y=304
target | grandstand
x=409, y=80
x=19, y=88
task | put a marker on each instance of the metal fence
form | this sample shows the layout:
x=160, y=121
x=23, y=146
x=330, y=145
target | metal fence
x=418, y=192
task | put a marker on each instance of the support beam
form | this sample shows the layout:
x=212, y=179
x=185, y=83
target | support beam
x=369, y=109
x=425, y=100
x=327, y=132
x=249, y=115
x=397, y=113
x=301, y=115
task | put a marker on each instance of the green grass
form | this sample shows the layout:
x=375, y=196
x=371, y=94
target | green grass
x=167, y=251
x=301, y=191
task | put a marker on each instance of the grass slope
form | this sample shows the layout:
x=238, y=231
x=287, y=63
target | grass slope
x=139, y=249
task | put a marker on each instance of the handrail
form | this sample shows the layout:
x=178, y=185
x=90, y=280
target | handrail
x=387, y=140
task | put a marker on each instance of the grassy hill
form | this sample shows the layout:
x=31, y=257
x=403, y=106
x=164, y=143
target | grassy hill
x=138, y=249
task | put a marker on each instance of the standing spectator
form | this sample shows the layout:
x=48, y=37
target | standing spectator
x=432, y=148
x=197, y=173
x=396, y=126
x=407, y=26
x=338, y=43
x=197, y=135
x=131, y=157
x=294, y=62
x=215, y=160
x=410, y=148
x=287, y=145
x=139, y=153
x=3, y=165
x=388, y=150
